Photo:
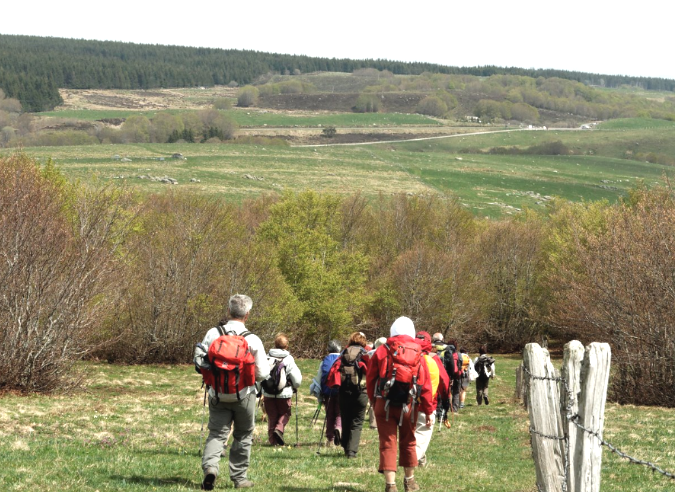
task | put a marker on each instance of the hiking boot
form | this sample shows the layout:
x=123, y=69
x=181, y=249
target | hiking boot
x=336, y=437
x=487, y=402
x=244, y=484
x=279, y=437
x=390, y=487
x=461, y=405
x=422, y=461
x=410, y=485
x=350, y=454
x=209, y=479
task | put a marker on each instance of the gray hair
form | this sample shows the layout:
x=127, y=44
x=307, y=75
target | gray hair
x=334, y=346
x=239, y=305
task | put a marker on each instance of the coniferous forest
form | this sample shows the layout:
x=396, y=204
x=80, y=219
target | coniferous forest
x=34, y=68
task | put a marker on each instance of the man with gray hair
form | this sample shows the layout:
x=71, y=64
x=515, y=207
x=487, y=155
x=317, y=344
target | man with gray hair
x=236, y=409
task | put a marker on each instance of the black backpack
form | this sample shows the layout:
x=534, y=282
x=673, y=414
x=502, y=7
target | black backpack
x=277, y=380
x=451, y=363
x=482, y=365
x=351, y=373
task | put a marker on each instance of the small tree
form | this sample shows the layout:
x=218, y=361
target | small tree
x=248, y=96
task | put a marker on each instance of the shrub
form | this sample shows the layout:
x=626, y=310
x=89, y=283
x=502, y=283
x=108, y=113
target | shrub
x=612, y=278
x=432, y=106
x=57, y=247
x=367, y=103
x=248, y=96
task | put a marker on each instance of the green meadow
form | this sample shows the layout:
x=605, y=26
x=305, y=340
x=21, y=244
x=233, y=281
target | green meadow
x=606, y=162
x=139, y=429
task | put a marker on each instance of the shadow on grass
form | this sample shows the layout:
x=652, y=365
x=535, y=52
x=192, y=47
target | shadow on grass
x=158, y=482
x=310, y=489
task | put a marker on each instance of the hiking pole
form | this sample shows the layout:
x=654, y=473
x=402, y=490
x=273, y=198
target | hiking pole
x=203, y=413
x=317, y=412
x=323, y=427
x=296, y=419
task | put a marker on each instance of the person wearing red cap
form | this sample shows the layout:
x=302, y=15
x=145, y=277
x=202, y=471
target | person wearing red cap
x=396, y=423
x=440, y=381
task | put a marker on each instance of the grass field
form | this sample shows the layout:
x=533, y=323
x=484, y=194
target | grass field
x=488, y=184
x=138, y=429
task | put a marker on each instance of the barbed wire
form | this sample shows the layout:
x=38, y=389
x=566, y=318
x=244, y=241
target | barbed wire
x=574, y=418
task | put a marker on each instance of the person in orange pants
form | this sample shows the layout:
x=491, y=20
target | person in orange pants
x=396, y=422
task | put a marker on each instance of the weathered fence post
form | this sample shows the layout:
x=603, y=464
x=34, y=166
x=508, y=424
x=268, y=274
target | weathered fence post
x=546, y=427
x=569, y=403
x=587, y=451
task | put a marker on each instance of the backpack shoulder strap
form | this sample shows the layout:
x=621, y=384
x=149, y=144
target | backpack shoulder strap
x=221, y=329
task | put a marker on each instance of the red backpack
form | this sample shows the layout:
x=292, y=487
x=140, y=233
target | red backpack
x=232, y=363
x=399, y=375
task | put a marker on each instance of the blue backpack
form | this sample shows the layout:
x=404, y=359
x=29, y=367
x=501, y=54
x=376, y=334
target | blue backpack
x=327, y=363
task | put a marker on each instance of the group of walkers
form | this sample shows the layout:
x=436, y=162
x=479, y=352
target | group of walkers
x=408, y=381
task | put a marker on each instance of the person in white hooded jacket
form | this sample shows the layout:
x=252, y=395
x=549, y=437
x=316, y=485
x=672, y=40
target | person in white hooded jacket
x=278, y=401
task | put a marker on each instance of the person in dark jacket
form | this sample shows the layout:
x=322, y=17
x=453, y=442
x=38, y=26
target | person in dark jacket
x=353, y=398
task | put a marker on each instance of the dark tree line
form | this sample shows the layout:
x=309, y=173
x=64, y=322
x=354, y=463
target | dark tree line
x=34, y=68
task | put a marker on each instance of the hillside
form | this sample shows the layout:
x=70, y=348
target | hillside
x=34, y=68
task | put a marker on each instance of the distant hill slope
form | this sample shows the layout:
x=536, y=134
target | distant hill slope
x=34, y=68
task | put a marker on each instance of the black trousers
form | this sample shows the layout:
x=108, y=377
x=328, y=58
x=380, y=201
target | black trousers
x=353, y=411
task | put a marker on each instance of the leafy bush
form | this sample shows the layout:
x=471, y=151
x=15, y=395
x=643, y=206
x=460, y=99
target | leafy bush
x=367, y=103
x=248, y=96
x=432, y=106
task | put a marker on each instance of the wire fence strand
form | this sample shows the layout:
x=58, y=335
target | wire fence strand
x=575, y=419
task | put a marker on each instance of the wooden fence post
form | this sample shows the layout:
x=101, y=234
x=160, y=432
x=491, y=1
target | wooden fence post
x=587, y=455
x=569, y=402
x=545, y=419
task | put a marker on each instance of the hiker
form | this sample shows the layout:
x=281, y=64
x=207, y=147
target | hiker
x=329, y=396
x=453, y=367
x=348, y=373
x=397, y=397
x=236, y=408
x=285, y=378
x=439, y=387
x=371, y=410
x=437, y=344
x=467, y=368
x=485, y=367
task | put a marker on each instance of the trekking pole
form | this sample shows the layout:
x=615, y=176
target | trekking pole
x=317, y=412
x=323, y=427
x=296, y=419
x=203, y=414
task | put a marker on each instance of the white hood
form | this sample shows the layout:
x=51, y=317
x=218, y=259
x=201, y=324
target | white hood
x=403, y=326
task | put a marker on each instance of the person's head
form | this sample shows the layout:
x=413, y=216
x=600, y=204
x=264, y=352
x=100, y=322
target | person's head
x=239, y=306
x=482, y=350
x=437, y=338
x=281, y=341
x=462, y=350
x=357, y=338
x=334, y=346
x=403, y=326
x=424, y=339
x=452, y=341
x=380, y=341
